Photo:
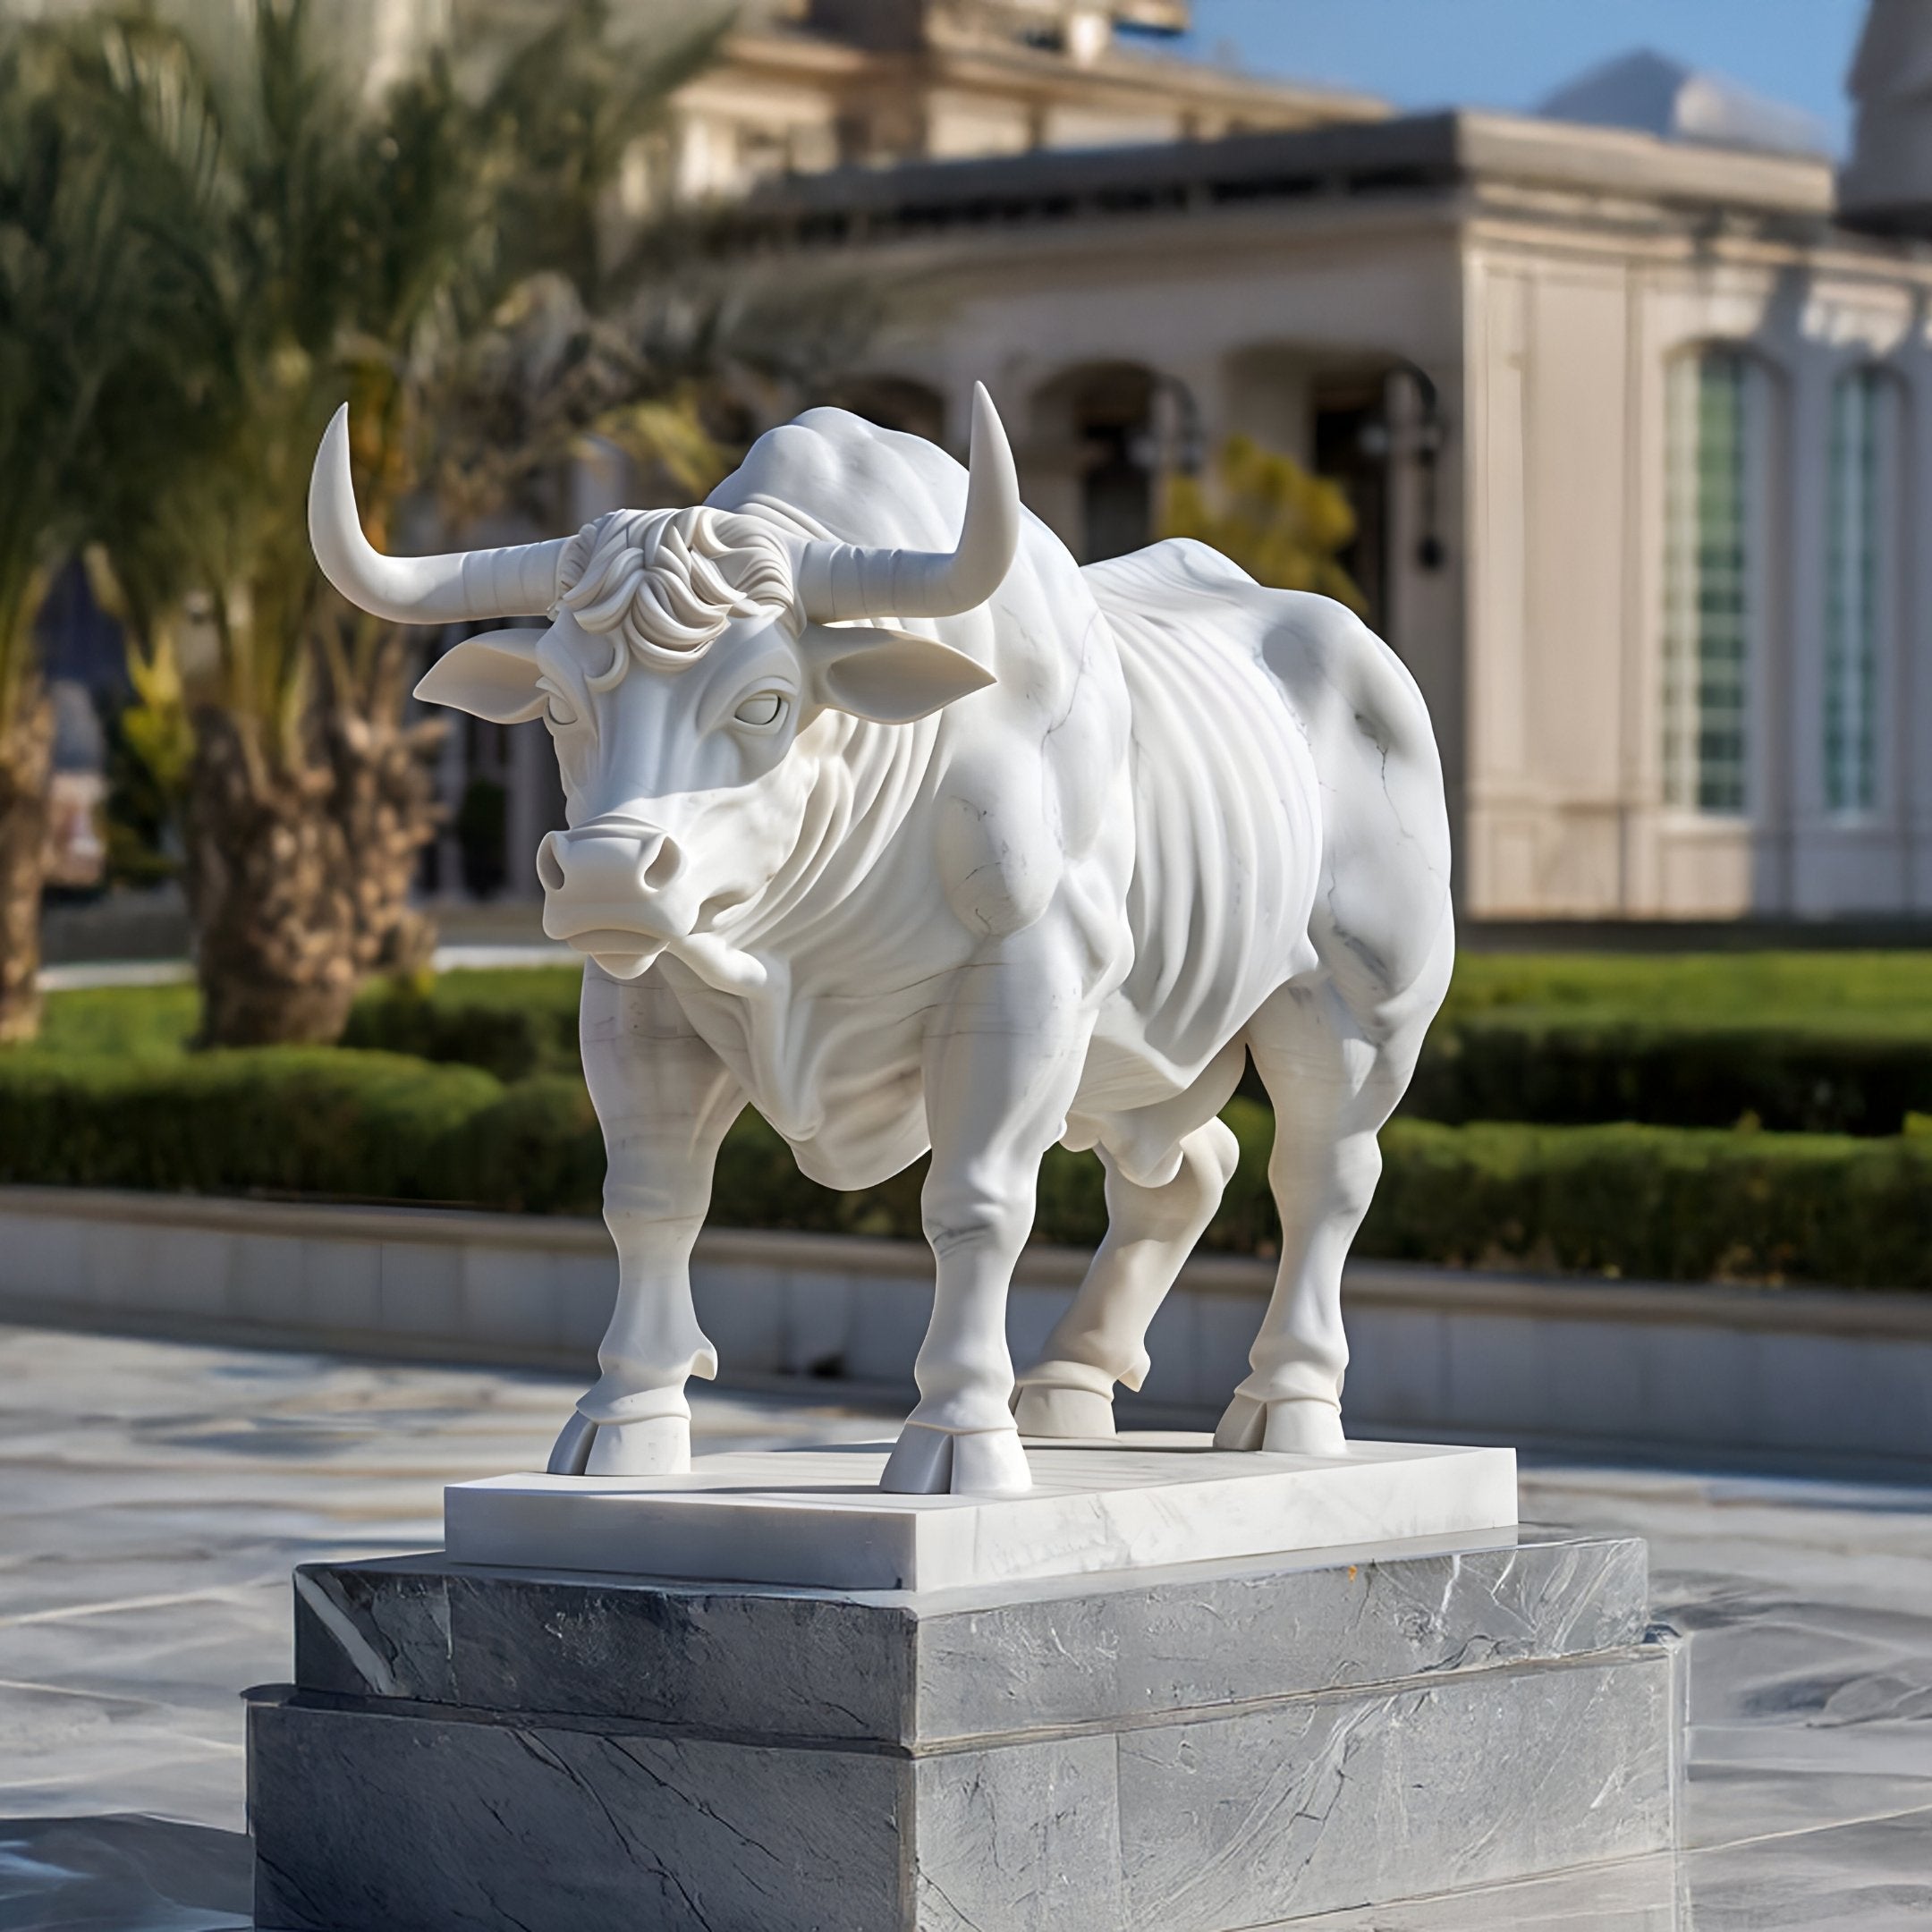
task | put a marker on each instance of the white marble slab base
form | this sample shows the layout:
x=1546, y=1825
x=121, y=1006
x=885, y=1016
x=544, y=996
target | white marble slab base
x=814, y=1516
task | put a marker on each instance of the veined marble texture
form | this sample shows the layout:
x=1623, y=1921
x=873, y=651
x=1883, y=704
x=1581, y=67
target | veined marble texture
x=881, y=1666
x=132, y=1607
x=373, y=1815
x=1049, y=867
x=821, y=1516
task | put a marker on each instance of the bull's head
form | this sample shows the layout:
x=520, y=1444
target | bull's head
x=684, y=657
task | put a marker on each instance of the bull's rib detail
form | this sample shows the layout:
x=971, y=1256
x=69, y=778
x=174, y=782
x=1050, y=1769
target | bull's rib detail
x=843, y=580
x=516, y=581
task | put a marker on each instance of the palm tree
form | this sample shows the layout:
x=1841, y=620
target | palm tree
x=90, y=305
x=356, y=245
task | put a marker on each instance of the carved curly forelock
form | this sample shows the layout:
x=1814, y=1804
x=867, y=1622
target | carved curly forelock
x=665, y=583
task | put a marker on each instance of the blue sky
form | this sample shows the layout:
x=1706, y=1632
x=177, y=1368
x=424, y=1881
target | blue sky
x=1511, y=52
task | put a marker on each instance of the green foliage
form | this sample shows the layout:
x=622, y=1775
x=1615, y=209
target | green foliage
x=1657, y=1203
x=334, y=242
x=150, y=750
x=1815, y=1042
x=1824, y=990
x=277, y=1120
x=1673, y=1073
x=510, y=1021
x=1283, y=526
x=91, y=297
x=535, y=1147
x=127, y=1022
x=514, y=1023
x=475, y=1098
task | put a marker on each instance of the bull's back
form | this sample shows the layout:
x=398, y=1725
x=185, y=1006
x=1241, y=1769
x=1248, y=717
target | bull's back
x=1278, y=723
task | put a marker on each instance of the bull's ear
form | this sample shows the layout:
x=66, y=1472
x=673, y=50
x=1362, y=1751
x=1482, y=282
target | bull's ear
x=889, y=676
x=493, y=677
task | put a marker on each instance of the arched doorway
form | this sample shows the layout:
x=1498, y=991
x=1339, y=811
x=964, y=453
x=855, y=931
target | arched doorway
x=1095, y=458
x=1113, y=415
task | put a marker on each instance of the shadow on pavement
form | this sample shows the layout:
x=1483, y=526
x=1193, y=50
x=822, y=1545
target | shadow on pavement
x=121, y=1873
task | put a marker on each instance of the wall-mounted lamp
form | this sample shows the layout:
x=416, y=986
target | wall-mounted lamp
x=1425, y=441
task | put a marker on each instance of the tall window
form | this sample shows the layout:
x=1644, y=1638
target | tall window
x=1864, y=437
x=1714, y=454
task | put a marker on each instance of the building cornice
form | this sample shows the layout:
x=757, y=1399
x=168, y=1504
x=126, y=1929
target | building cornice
x=1116, y=81
x=1604, y=188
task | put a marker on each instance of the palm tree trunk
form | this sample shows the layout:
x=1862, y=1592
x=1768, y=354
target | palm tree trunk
x=26, y=760
x=271, y=882
x=386, y=804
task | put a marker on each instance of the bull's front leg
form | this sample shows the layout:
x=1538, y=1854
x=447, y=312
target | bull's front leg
x=665, y=1100
x=1003, y=1063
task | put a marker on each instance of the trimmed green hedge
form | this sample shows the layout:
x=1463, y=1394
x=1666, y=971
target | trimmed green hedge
x=1798, y=1042
x=1775, y=988
x=1824, y=1042
x=1657, y=1203
x=316, y=1120
x=1538, y=1066
x=512, y=1021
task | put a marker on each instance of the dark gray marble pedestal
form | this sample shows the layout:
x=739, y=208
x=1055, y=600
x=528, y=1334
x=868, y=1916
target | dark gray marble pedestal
x=1191, y=1749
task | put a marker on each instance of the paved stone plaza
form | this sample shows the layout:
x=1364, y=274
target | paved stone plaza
x=155, y=1496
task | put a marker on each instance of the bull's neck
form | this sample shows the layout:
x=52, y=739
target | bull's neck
x=866, y=780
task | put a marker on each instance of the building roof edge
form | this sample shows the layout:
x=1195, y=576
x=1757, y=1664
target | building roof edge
x=1458, y=146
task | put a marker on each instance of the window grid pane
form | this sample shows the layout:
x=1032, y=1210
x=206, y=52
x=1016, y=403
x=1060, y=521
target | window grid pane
x=1710, y=430
x=1680, y=578
x=1854, y=536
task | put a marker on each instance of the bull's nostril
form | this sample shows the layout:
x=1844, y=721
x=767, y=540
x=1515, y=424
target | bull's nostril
x=550, y=866
x=664, y=865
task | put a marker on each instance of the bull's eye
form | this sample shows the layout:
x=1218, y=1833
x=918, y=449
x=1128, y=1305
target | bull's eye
x=762, y=708
x=560, y=712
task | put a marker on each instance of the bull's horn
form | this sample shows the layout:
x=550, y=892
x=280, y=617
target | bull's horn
x=839, y=581
x=518, y=581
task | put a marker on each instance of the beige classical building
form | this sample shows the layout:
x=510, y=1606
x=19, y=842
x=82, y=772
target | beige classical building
x=1633, y=399
x=1634, y=418
x=807, y=84
x=1634, y=424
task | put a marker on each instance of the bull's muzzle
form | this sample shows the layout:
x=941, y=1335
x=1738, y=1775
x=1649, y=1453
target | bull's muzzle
x=604, y=891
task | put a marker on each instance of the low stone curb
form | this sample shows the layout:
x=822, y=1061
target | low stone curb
x=1823, y=1372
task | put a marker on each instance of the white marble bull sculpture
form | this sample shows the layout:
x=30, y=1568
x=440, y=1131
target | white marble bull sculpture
x=915, y=843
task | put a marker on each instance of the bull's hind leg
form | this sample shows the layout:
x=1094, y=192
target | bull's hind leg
x=1335, y=1055
x=1102, y=1338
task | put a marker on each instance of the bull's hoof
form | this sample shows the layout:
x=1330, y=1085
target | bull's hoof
x=659, y=1445
x=1043, y=1409
x=1301, y=1426
x=929, y=1461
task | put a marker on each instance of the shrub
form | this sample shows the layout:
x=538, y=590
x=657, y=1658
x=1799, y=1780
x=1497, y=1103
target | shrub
x=143, y=1020
x=1665, y=1204
x=534, y=1147
x=281, y=1120
x=110, y=1100
x=513, y=1022
x=1821, y=1043
x=1783, y=989
x=1661, y=1203
x=1801, y=1042
x=1674, y=1073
